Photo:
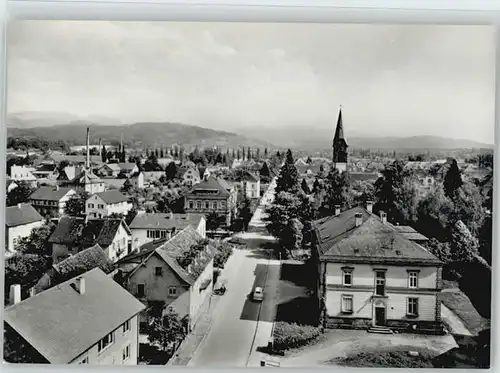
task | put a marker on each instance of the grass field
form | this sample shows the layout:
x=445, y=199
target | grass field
x=396, y=357
x=460, y=304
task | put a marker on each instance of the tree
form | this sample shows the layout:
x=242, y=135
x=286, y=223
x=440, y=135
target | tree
x=257, y=154
x=265, y=152
x=167, y=331
x=468, y=207
x=76, y=204
x=337, y=192
x=20, y=194
x=452, y=180
x=123, y=155
x=309, y=160
x=486, y=239
x=104, y=153
x=37, y=241
x=245, y=212
x=249, y=153
x=171, y=171
x=441, y=250
x=243, y=152
x=214, y=221
x=285, y=207
x=25, y=270
x=389, y=189
x=305, y=187
x=288, y=179
x=464, y=247
x=162, y=153
x=434, y=215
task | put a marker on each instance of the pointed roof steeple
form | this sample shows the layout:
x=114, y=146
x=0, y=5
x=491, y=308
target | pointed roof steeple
x=339, y=131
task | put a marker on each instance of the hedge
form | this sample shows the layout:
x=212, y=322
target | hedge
x=292, y=335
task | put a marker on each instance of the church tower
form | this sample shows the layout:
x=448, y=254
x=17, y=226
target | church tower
x=340, y=146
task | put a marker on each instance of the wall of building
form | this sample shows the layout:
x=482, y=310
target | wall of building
x=157, y=287
x=199, y=296
x=396, y=276
x=397, y=292
x=113, y=354
x=21, y=231
x=119, y=248
x=96, y=207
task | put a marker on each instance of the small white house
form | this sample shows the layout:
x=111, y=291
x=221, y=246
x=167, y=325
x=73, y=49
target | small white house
x=23, y=173
x=104, y=204
x=191, y=176
x=250, y=184
x=20, y=220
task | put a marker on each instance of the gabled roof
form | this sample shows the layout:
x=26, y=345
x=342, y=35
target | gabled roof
x=248, y=176
x=165, y=221
x=74, y=231
x=81, y=262
x=169, y=251
x=61, y=323
x=126, y=166
x=111, y=166
x=112, y=196
x=211, y=187
x=49, y=193
x=21, y=214
x=373, y=241
x=409, y=232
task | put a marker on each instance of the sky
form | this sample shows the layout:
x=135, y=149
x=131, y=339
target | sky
x=391, y=80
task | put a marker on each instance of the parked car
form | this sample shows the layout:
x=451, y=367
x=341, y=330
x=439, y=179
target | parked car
x=258, y=294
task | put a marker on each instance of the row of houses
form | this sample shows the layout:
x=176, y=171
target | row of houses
x=149, y=281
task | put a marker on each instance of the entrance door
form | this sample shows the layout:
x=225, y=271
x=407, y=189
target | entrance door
x=380, y=316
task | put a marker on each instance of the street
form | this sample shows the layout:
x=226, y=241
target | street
x=241, y=325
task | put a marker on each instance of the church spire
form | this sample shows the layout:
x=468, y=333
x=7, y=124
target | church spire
x=339, y=146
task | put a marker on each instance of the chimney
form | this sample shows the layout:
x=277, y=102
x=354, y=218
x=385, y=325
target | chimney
x=15, y=294
x=80, y=285
x=190, y=268
x=170, y=215
x=337, y=210
x=56, y=188
x=383, y=217
x=19, y=205
x=369, y=206
x=87, y=159
x=100, y=147
x=359, y=219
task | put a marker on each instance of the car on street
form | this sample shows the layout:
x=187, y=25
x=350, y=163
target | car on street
x=258, y=294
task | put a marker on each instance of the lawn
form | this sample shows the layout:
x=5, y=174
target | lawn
x=392, y=358
x=460, y=304
x=296, y=299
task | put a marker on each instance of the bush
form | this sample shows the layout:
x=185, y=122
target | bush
x=292, y=335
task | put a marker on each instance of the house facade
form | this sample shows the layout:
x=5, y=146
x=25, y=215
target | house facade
x=34, y=335
x=156, y=277
x=108, y=170
x=104, y=204
x=148, y=227
x=212, y=195
x=250, y=185
x=51, y=201
x=74, y=234
x=191, y=176
x=370, y=275
x=20, y=220
x=23, y=173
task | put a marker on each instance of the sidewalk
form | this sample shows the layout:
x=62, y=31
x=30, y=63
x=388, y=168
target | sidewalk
x=194, y=339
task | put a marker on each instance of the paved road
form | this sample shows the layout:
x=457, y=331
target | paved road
x=241, y=325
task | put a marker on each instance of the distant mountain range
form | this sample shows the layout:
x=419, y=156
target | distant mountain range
x=71, y=129
x=145, y=135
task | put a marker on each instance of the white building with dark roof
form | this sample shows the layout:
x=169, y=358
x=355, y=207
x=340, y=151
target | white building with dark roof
x=373, y=275
x=51, y=200
x=148, y=227
x=101, y=205
x=89, y=319
x=20, y=220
